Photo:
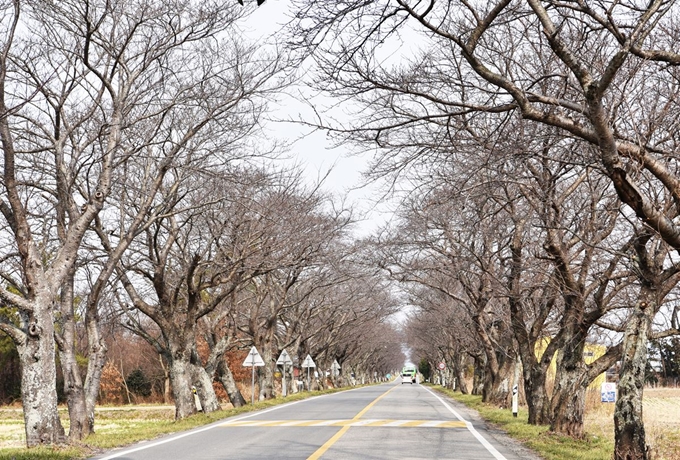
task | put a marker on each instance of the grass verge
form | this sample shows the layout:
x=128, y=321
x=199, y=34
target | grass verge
x=538, y=438
x=124, y=427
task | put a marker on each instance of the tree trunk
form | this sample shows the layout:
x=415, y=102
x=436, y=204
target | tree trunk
x=167, y=388
x=497, y=385
x=569, y=409
x=39, y=379
x=267, y=376
x=534, y=373
x=536, y=395
x=205, y=390
x=180, y=379
x=568, y=400
x=478, y=377
x=629, y=429
x=459, y=372
x=229, y=384
x=95, y=363
x=79, y=428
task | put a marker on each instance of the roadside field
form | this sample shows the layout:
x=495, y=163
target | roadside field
x=109, y=420
x=661, y=413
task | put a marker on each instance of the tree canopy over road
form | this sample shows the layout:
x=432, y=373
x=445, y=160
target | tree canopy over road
x=532, y=147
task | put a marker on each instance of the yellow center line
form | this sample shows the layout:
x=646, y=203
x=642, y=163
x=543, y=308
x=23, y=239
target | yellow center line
x=322, y=450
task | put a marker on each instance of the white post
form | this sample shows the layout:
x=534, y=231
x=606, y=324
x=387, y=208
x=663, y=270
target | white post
x=252, y=386
x=283, y=383
x=515, y=388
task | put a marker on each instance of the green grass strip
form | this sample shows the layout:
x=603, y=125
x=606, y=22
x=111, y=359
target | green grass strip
x=538, y=438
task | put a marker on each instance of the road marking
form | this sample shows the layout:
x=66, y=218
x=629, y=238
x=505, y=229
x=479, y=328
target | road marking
x=350, y=423
x=322, y=450
x=492, y=450
x=206, y=428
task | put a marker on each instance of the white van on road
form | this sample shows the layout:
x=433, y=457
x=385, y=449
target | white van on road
x=409, y=375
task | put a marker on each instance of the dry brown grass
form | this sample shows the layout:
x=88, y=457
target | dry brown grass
x=661, y=412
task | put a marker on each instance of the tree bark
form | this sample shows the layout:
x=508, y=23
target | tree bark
x=536, y=395
x=629, y=429
x=95, y=363
x=265, y=346
x=167, y=388
x=180, y=379
x=229, y=384
x=79, y=428
x=478, y=377
x=205, y=390
x=459, y=371
x=39, y=379
x=497, y=384
x=569, y=407
x=568, y=399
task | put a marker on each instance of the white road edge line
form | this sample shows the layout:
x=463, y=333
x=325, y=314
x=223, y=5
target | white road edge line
x=492, y=450
x=210, y=427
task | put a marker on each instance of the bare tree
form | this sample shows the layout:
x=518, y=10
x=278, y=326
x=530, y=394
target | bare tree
x=605, y=73
x=93, y=84
x=483, y=238
x=303, y=233
x=189, y=263
x=439, y=330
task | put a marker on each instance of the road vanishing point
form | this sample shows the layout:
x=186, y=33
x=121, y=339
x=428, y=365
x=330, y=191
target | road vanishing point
x=388, y=421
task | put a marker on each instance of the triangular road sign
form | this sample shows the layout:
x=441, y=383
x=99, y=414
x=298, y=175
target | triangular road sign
x=253, y=358
x=284, y=359
x=308, y=362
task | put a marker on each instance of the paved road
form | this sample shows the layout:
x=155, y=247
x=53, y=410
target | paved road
x=390, y=421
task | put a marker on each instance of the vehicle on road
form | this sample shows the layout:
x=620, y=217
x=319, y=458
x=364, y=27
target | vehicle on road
x=408, y=374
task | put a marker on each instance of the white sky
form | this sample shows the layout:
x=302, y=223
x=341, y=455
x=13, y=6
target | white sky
x=313, y=151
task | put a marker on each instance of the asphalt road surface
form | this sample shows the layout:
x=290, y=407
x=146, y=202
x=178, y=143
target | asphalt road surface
x=390, y=421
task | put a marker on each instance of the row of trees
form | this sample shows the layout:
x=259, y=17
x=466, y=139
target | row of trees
x=540, y=138
x=530, y=264
x=134, y=194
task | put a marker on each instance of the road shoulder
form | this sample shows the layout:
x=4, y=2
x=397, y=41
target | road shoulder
x=497, y=436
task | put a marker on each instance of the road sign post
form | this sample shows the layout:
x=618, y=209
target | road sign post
x=335, y=368
x=308, y=363
x=252, y=360
x=282, y=361
x=335, y=371
x=608, y=392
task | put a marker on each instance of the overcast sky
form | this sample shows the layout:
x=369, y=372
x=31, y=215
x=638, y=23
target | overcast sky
x=313, y=151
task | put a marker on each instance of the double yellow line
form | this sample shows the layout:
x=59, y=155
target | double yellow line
x=322, y=450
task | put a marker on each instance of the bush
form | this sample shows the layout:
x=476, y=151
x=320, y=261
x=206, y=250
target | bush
x=425, y=369
x=138, y=384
